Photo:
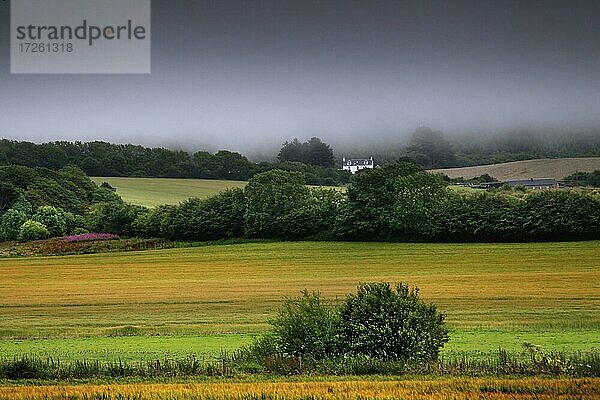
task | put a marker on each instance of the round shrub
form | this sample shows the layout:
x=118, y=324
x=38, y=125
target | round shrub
x=52, y=218
x=391, y=323
x=10, y=224
x=378, y=322
x=33, y=230
x=307, y=325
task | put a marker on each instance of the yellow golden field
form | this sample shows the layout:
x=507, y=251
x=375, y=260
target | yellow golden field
x=453, y=388
x=237, y=288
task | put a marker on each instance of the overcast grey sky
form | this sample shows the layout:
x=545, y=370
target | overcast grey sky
x=243, y=74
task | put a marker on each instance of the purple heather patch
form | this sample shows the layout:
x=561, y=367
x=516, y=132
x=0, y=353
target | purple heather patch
x=90, y=236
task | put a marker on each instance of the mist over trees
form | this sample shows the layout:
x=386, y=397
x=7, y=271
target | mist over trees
x=435, y=149
x=430, y=149
x=106, y=159
x=318, y=161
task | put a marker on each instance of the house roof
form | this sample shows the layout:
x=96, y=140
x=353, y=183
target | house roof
x=358, y=161
x=532, y=182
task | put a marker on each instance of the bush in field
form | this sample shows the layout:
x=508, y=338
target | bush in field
x=54, y=219
x=10, y=224
x=391, y=323
x=33, y=230
x=379, y=321
x=103, y=194
x=306, y=326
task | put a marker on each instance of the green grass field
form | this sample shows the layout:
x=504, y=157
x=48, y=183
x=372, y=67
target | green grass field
x=152, y=192
x=207, y=299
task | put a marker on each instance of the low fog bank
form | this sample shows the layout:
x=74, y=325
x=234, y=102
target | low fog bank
x=461, y=147
x=388, y=145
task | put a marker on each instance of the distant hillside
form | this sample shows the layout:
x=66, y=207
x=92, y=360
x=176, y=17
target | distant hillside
x=557, y=168
x=151, y=192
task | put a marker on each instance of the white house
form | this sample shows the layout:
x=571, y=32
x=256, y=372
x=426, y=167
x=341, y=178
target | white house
x=356, y=164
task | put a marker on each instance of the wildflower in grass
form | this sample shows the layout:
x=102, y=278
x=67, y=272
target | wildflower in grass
x=90, y=236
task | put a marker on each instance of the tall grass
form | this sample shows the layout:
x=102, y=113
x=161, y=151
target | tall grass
x=501, y=363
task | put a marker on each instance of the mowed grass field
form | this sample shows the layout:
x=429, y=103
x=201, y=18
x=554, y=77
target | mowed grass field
x=152, y=192
x=207, y=299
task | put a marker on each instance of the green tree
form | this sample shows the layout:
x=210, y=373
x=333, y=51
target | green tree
x=23, y=205
x=105, y=195
x=117, y=218
x=157, y=222
x=223, y=215
x=33, y=230
x=391, y=323
x=389, y=203
x=585, y=178
x=54, y=219
x=319, y=153
x=10, y=224
x=204, y=165
x=8, y=195
x=560, y=215
x=292, y=151
x=271, y=198
x=312, y=152
x=417, y=196
x=232, y=166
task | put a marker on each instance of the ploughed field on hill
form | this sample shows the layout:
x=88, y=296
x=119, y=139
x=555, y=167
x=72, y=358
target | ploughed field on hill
x=206, y=299
x=557, y=168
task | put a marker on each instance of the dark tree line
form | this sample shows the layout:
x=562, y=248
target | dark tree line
x=397, y=202
x=585, y=178
x=106, y=159
x=313, y=158
x=311, y=152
